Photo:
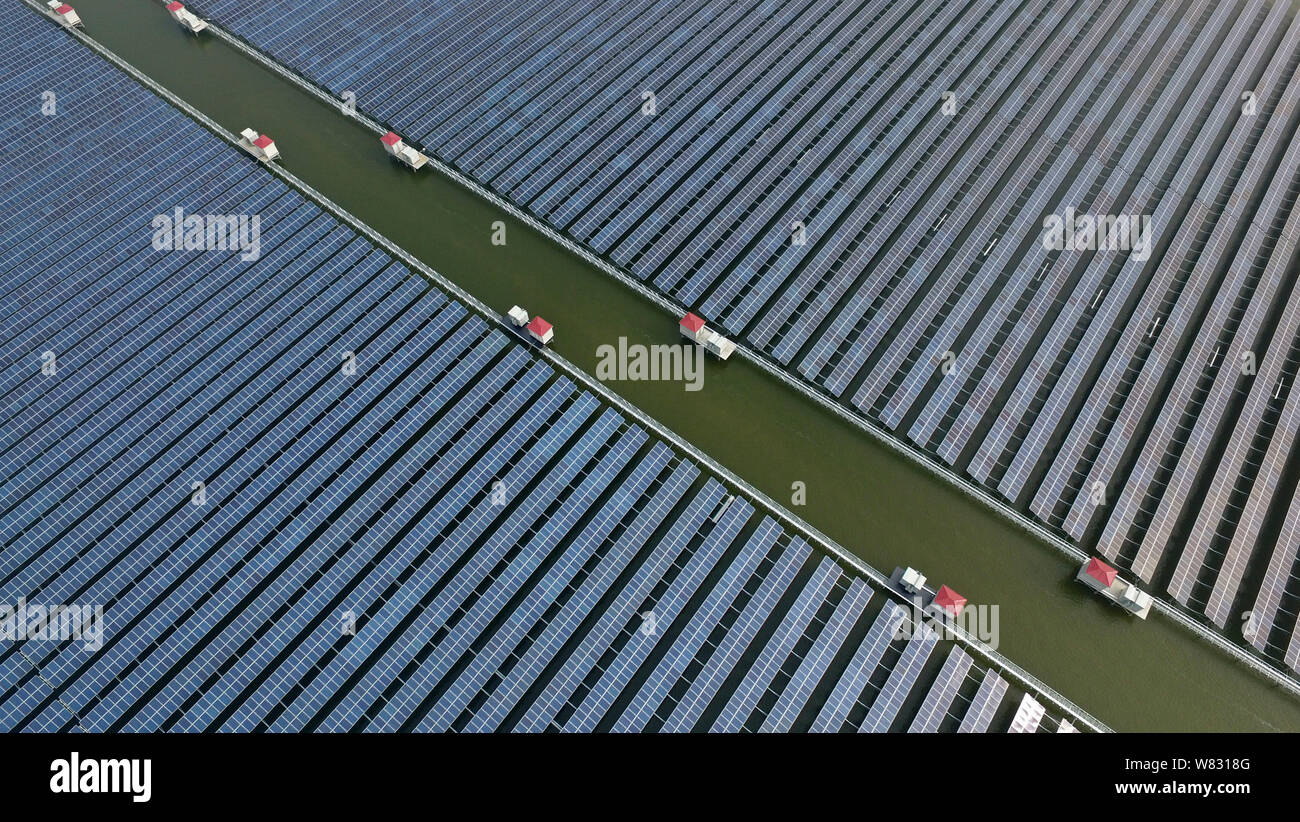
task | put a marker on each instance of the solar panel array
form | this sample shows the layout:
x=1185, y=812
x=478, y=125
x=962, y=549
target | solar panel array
x=980, y=713
x=310, y=492
x=858, y=189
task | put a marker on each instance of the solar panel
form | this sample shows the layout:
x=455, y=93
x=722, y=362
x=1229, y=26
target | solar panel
x=484, y=663
x=598, y=640
x=686, y=712
x=1208, y=109
x=796, y=621
x=887, y=704
x=722, y=597
x=416, y=622
x=561, y=629
x=979, y=714
x=942, y=692
x=637, y=641
x=821, y=653
x=1277, y=577
x=1028, y=715
x=851, y=684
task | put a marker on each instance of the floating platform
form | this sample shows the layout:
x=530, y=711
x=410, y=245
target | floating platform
x=64, y=14
x=943, y=603
x=1105, y=580
x=400, y=151
x=534, y=329
x=259, y=145
x=187, y=19
x=694, y=329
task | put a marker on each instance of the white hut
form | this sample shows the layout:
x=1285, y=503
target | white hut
x=913, y=581
x=517, y=316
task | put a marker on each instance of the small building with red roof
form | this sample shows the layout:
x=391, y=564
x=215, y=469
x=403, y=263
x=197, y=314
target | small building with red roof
x=1105, y=580
x=540, y=330
x=64, y=13
x=188, y=20
x=259, y=145
x=693, y=328
x=396, y=148
x=948, y=601
x=1097, y=574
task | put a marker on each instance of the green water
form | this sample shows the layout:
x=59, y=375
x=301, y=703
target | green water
x=1132, y=675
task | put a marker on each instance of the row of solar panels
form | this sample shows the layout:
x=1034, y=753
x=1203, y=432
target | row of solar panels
x=859, y=189
x=309, y=492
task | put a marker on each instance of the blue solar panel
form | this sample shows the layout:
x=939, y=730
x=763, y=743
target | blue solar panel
x=707, y=682
x=485, y=662
x=820, y=655
x=622, y=611
x=888, y=703
x=942, y=692
x=722, y=597
x=920, y=225
x=849, y=687
x=979, y=714
x=562, y=627
x=637, y=642
x=778, y=648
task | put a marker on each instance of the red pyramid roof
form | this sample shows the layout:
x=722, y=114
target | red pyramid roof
x=263, y=141
x=949, y=600
x=692, y=322
x=390, y=139
x=539, y=326
x=1101, y=572
x=64, y=9
x=174, y=6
